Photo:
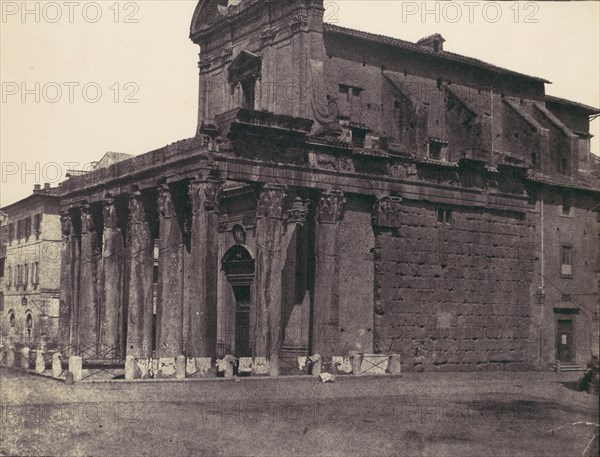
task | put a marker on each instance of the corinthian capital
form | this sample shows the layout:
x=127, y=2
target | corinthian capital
x=165, y=202
x=205, y=196
x=331, y=207
x=387, y=212
x=137, y=213
x=109, y=212
x=87, y=221
x=270, y=202
x=66, y=224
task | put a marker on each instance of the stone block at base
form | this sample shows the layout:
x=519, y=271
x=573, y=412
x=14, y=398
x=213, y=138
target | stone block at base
x=260, y=366
x=10, y=358
x=56, y=365
x=374, y=364
x=25, y=363
x=40, y=363
x=76, y=367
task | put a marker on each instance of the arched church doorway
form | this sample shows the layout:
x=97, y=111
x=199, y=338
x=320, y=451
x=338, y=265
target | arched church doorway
x=238, y=265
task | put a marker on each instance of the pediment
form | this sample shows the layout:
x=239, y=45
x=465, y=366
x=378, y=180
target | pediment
x=211, y=12
x=245, y=65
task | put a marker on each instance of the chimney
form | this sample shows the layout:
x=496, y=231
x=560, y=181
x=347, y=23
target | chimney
x=36, y=188
x=434, y=42
x=46, y=185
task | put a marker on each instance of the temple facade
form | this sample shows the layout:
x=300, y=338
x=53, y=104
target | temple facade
x=345, y=192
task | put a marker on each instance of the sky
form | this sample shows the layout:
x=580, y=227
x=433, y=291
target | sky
x=83, y=78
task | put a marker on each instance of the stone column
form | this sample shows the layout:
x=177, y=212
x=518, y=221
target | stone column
x=265, y=320
x=111, y=315
x=169, y=313
x=296, y=294
x=204, y=269
x=67, y=281
x=88, y=288
x=139, y=264
x=325, y=320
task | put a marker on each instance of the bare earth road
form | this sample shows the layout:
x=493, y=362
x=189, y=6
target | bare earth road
x=445, y=414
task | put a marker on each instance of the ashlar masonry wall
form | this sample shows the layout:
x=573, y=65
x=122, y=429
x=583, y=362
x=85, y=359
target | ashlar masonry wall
x=453, y=289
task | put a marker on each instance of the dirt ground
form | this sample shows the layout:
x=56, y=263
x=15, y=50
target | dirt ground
x=437, y=415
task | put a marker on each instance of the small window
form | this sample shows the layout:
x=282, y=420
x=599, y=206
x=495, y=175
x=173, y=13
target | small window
x=534, y=158
x=444, y=215
x=37, y=273
x=11, y=232
x=564, y=165
x=25, y=275
x=18, y=279
x=2, y=262
x=248, y=91
x=37, y=226
x=27, y=228
x=343, y=89
x=10, y=278
x=19, y=231
x=11, y=318
x=435, y=150
x=358, y=138
x=567, y=203
x=1, y=302
x=356, y=91
x=566, y=261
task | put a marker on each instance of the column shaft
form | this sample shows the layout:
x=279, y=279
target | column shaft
x=169, y=314
x=204, y=269
x=266, y=316
x=326, y=300
x=67, y=278
x=90, y=254
x=139, y=264
x=111, y=338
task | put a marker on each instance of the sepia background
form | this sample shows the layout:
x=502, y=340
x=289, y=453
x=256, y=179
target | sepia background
x=81, y=80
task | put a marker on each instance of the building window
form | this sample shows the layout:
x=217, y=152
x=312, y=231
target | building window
x=11, y=318
x=11, y=233
x=25, y=275
x=18, y=279
x=19, y=231
x=2, y=263
x=9, y=284
x=37, y=273
x=27, y=228
x=444, y=215
x=435, y=150
x=566, y=261
x=534, y=158
x=1, y=302
x=37, y=226
x=358, y=138
x=248, y=92
x=564, y=165
x=567, y=203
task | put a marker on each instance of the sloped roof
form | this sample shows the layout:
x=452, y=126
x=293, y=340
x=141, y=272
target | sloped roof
x=111, y=158
x=564, y=101
x=330, y=28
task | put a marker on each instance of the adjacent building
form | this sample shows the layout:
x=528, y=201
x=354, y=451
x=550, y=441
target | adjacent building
x=30, y=270
x=345, y=192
